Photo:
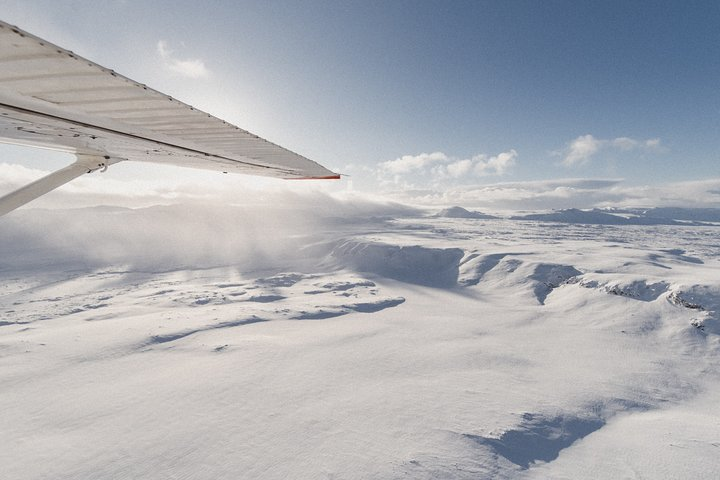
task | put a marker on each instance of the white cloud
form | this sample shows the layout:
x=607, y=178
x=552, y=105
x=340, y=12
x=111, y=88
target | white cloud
x=410, y=163
x=581, y=149
x=193, y=68
x=653, y=143
x=584, y=147
x=460, y=168
x=497, y=165
x=438, y=166
x=625, y=143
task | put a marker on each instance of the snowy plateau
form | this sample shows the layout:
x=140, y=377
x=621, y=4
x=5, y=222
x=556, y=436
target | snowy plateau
x=355, y=340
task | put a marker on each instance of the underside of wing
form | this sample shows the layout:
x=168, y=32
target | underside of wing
x=53, y=98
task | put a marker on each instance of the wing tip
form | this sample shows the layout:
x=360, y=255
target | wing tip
x=325, y=177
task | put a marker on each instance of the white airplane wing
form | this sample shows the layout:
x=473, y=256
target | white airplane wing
x=50, y=97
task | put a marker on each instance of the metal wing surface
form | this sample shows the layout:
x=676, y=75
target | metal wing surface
x=51, y=97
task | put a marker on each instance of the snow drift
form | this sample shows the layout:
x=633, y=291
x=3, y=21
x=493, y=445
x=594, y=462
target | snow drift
x=436, y=267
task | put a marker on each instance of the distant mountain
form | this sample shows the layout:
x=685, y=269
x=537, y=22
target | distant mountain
x=689, y=214
x=574, y=215
x=653, y=216
x=460, y=212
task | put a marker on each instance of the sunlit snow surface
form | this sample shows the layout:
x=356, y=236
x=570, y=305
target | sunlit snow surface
x=376, y=343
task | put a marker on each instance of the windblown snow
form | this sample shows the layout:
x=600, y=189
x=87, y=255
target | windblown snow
x=357, y=341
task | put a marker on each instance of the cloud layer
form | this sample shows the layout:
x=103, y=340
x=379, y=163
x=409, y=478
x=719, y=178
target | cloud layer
x=567, y=193
x=205, y=188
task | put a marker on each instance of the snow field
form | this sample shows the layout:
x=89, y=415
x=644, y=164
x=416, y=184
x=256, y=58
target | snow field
x=576, y=352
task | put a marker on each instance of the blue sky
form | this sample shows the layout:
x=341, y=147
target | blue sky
x=431, y=97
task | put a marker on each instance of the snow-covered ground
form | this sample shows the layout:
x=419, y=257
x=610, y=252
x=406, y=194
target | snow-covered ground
x=355, y=342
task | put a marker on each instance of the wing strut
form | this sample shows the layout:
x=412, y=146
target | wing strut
x=21, y=196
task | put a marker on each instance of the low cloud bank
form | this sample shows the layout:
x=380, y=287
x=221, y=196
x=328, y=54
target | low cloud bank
x=203, y=189
x=568, y=193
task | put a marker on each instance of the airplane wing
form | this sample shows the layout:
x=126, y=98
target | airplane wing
x=51, y=97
